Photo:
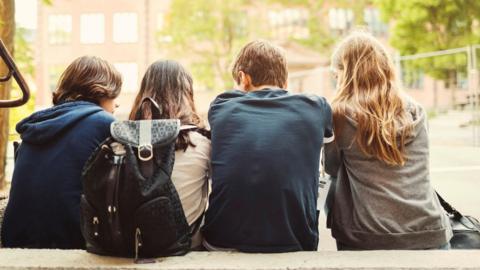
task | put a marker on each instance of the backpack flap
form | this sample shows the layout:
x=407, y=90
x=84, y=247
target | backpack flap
x=145, y=134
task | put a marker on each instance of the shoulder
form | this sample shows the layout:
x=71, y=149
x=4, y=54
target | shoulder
x=315, y=98
x=200, y=152
x=315, y=102
x=101, y=118
x=229, y=95
x=201, y=142
x=98, y=124
x=413, y=107
x=224, y=101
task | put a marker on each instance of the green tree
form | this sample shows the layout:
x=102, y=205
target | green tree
x=25, y=63
x=23, y=60
x=320, y=37
x=7, y=29
x=211, y=31
x=431, y=25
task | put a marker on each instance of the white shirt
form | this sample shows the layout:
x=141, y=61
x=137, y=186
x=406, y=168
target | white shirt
x=190, y=176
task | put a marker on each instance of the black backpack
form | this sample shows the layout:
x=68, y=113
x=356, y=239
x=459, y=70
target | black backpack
x=129, y=206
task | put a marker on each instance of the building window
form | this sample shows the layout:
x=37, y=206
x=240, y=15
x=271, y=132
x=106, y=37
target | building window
x=290, y=22
x=59, y=29
x=92, y=28
x=54, y=72
x=129, y=73
x=340, y=19
x=125, y=27
x=372, y=19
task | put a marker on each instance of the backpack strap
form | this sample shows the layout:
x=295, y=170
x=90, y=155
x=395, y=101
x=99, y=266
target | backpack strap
x=201, y=131
x=450, y=210
x=154, y=108
x=188, y=127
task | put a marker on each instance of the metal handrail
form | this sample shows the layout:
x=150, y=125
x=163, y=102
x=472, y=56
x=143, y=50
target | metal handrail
x=13, y=71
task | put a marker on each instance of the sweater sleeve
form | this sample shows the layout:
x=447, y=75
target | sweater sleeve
x=332, y=159
x=328, y=135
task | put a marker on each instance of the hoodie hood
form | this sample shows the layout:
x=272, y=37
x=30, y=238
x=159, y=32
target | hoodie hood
x=46, y=125
x=418, y=119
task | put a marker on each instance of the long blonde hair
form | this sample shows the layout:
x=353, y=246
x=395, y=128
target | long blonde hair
x=368, y=93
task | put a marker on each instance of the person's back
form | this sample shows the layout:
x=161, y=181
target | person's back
x=384, y=198
x=43, y=208
x=265, y=158
x=170, y=85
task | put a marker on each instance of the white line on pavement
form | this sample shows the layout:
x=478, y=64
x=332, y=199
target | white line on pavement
x=456, y=169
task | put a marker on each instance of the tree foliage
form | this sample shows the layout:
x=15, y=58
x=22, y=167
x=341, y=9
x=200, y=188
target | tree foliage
x=432, y=25
x=321, y=38
x=24, y=59
x=7, y=28
x=25, y=63
x=211, y=31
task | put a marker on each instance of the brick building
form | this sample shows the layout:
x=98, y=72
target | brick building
x=120, y=31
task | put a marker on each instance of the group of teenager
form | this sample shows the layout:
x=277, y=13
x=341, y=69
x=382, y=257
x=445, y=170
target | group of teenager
x=256, y=180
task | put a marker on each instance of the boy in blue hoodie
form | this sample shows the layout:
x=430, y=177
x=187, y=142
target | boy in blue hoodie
x=44, y=204
x=265, y=159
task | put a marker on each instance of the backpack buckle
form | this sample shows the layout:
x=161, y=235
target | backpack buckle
x=145, y=152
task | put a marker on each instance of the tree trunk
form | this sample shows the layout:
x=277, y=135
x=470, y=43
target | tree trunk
x=7, y=29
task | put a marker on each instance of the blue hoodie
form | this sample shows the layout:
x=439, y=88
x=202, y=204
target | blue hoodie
x=44, y=206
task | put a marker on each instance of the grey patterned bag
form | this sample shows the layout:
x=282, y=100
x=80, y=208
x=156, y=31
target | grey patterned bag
x=130, y=207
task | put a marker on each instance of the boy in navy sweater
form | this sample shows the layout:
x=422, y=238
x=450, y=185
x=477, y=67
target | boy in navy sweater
x=265, y=159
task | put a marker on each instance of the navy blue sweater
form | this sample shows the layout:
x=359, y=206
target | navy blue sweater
x=265, y=160
x=44, y=206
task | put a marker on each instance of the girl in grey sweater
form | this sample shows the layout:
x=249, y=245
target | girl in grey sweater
x=383, y=196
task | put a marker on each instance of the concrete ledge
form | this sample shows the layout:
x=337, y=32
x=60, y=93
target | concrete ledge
x=78, y=259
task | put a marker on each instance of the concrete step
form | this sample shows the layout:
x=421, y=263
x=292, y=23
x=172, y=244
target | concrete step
x=24, y=259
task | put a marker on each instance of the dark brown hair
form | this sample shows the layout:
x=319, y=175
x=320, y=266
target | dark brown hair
x=88, y=78
x=264, y=62
x=171, y=86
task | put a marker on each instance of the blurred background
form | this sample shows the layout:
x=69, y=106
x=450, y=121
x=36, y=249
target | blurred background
x=435, y=45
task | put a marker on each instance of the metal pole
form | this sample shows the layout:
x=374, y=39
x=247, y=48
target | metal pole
x=473, y=77
x=433, y=54
x=475, y=97
x=472, y=85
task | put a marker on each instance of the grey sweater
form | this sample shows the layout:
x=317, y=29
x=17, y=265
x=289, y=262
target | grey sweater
x=377, y=206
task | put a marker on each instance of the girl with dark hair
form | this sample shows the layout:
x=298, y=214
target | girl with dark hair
x=171, y=86
x=44, y=205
